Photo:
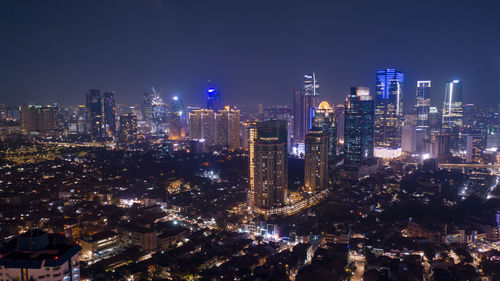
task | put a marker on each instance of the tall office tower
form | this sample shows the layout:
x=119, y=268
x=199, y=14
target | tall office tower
x=316, y=160
x=213, y=98
x=423, y=103
x=435, y=119
x=388, y=113
x=109, y=110
x=81, y=122
x=409, y=139
x=306, y=99
x=177, y=119
x=128, y=127
x=359, y=126
x=270, y=165
x=281, y=112
x=324, y=119
x=339, y=120
x=95, y=115
x=40, y=119
x=201, y=126
x=452, y=107
x=469, y=120
x=474, y=148
x=154, y=111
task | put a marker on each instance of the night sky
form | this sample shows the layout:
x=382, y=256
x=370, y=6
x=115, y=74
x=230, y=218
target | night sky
x=255, y=51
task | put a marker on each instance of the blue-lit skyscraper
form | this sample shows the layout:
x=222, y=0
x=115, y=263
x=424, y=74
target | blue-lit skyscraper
x=95, y=120
x=388, y=112
x=213, y=97
x=423, y=103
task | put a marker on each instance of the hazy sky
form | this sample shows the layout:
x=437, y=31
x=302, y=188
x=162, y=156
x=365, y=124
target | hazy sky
x=255, y=51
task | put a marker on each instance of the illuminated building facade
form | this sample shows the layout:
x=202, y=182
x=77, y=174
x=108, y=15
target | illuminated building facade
x=324, y=119
x=37, y=255
x=306, y=99
x=270, y=164
x=475, y=148
x=177, y=119
x=423, y=103
x=202, y=126
x=128, y=127
x=109, y=110
x=359, y=126
x=213, y=98
x=316, y=160
x=452, y=107
x=154, y=111
x=388, y=112
x=39, y=119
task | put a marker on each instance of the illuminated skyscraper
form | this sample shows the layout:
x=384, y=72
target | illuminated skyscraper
x=39, y=119
x=154, y=111
x=316, y=160
x=270, y=165
x=213, y=98
x=227, y=128
x=177, y=119
x=128, y=127
x=324, y=120
x=423, y=103
x=452, y=106
x=109, y=110
x=388, y=112
x=359, y=126
x=202, y=126
x=306, y=99
x=95, y=115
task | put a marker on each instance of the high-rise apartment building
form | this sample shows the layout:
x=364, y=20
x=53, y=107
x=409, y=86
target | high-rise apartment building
x=306, y=99
x=388, y=113
x=128, y=127
x=316, y=160
x=422, y=104
x=40, y=119
x=202, y=126
x=359, y=126
x=270, y=165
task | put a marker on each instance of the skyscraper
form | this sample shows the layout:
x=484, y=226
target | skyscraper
x=128, y=127
x=359, y=126
x=270, y=165
x=213, y=97
x=423, y=103
x=109, y=110
x=306, y=99
x=40, y=119
x=324, y=120
x=388, y=112
x=154, y=111
x=202, y=126
x=177, y=119
x=95, y=115
x=452, y=107
x=316, y=160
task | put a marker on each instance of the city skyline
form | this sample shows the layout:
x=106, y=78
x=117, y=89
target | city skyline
x=34, y=52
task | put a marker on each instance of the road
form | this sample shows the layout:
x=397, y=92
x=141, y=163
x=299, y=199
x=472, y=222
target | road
x=360, y=262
